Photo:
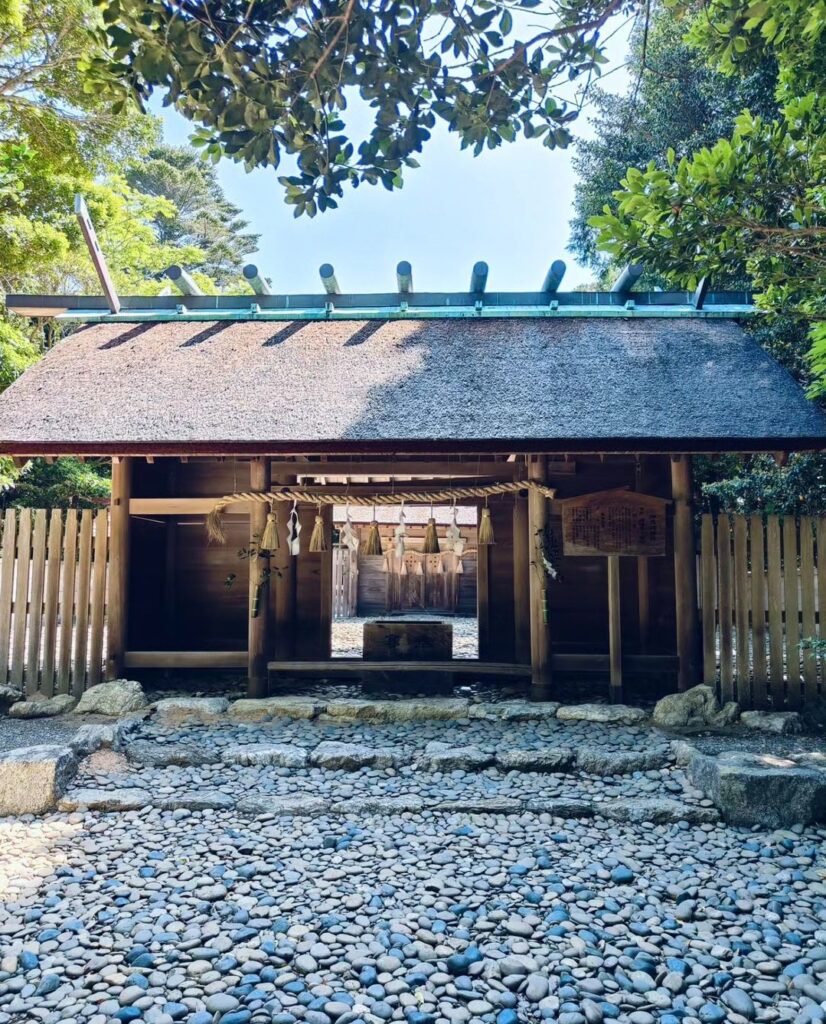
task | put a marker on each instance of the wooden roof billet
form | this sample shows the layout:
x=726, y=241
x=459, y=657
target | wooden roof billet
x=407, y=386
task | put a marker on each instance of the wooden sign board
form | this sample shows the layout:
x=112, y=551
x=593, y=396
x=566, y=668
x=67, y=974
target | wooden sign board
x=617, y=522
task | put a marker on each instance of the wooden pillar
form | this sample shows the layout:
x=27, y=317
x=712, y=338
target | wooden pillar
x=685, y=573
x=258, y=644
x=614, y=629
x=118, y=590
x=325, y=612
x=483, y=599
x=540, y=629
x=282, y=590
x=521, y=584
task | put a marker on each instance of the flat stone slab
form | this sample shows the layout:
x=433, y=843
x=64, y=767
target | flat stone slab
x=32, y=779
x=105, y=800
x=763, y=789
x=596, y=761
x=657, y=810
x=409, y=804
x=351, y=756
x=199, y=800
x=549, y=759
x=174, y=711
x=515, y=711
x=416, y=710
x=609, y=714
x=280, y=755
x=160, y=755
x=782, y=723
x=288, y=806
x=45, y=707
x=481, y=805
x=561, y=807
x=269, y=708
x=443, y=757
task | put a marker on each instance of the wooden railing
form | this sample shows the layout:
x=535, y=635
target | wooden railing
x=760, y=596
x=53, y=569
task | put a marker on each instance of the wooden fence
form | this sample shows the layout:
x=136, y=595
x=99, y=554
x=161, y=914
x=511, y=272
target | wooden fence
x=53, y=569
x=761, y=594
x=345, y=582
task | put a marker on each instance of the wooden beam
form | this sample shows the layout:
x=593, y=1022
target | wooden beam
x=521, y=583
x=96, y=253
x=540, y=631
x=185, y=659
x=258, y=645
x=329, y=666
x=183, y=506
x=118, y=596
x=685, y=573
x=431, y=469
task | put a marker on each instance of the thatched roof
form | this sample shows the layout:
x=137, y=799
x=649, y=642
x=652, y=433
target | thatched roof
x=604, y=383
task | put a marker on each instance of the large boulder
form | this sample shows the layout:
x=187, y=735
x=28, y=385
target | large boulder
x=608, y=714
x=657, y=810
x=280, y=755
x=173, y=711
x=162, y=755
x=32, y=779
x=89, y=799
x=763, y=789
x=43, y=707
x=267, y=709
x=696, y=708
x=115, y=698
x=9, y=695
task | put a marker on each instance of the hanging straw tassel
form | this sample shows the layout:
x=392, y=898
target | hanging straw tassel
x=215, y=525
x=318, y=538
x=486, y=528
x=270, y=541
x=372, y=546
x=431, y=538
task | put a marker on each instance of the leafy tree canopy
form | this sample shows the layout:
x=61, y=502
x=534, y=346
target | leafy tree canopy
x=197, y=213
x=674, y=99
x=756, y=199
x=271, y=79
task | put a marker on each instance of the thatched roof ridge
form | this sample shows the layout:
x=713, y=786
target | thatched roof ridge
x=638, y=384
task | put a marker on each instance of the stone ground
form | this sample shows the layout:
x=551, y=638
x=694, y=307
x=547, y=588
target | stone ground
x=411, y=892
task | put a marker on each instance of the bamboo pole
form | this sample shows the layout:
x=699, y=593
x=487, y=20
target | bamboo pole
x=117, y=602
x=685, y=573
x=259, y=591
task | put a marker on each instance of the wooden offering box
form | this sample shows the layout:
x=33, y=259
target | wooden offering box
x=408, y=640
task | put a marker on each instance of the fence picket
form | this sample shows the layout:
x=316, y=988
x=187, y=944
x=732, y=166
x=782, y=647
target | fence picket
x=708, y=595
x=7, y=591
x=50, y=603
x=775, y=586
x=98, y=597
x=807, y=604
x=67, y=603
x=84, y=568
x=741, y=610
x=821, y=592
x=724, y=589
x=35, y=623
x=792, y=609
x=759, y=692
x=21, y=597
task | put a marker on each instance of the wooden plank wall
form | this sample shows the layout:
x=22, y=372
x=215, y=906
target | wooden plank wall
x=761, y=595
x=53, y=581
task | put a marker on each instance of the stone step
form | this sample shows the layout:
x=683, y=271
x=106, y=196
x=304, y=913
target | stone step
x=655, y=810
x=436, y=756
